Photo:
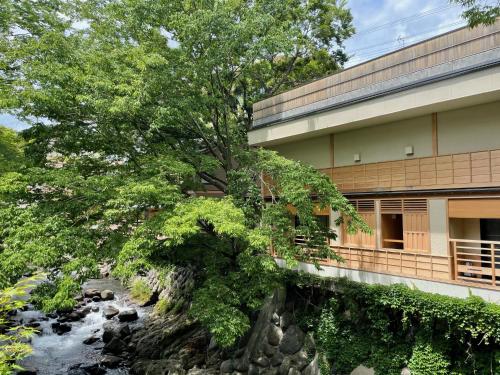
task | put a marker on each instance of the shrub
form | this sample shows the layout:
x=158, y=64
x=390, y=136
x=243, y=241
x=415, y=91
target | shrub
x=140, y=291
x=13, y=346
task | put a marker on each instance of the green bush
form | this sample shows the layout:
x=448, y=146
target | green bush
x=13, y=346
x=140, y=291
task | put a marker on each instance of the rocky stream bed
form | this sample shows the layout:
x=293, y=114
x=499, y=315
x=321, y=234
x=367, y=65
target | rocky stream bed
x=107, y=333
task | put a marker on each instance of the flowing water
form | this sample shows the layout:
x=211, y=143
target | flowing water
x=54, y=354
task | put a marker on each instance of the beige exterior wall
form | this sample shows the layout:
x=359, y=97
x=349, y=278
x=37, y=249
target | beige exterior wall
x=312, y=151
x=469, y=129
x=385, y=142
x=438, y=226
x=475, y=88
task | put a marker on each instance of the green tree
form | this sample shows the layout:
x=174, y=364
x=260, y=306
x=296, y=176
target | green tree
x=479, y=13
x=143, y=100
x=11, y=150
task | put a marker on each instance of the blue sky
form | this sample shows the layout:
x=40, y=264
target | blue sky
x=382, y=26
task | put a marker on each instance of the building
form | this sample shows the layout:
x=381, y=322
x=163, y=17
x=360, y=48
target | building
x=412, y=138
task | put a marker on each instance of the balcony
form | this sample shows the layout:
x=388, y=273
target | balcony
x=472, y=263
x=476, y=261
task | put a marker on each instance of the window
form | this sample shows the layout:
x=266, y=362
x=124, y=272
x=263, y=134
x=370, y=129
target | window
x=405, y=224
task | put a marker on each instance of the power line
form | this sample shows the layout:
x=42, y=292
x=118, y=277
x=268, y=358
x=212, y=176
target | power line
x=411, y=36
x=408, y=19
x=414, y=39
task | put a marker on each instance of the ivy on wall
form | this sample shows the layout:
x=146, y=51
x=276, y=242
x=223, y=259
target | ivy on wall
x=392, y=327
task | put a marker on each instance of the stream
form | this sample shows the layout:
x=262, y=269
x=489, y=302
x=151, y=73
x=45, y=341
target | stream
x=55, y=354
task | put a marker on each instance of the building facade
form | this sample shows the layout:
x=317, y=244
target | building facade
x=412, y=138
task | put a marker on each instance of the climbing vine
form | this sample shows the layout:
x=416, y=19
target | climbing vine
x=392, y=327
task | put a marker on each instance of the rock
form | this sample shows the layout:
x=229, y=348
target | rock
x=362, y=370
x=60, y=328
x=274, y=335
x=277, y=359
x=285, y=366
x=115, y=346
x=313, y=367
x=107, y=295
x=33, y=324
x=293, y=371
x=226, y=367
x=286, y=320
x=109, y=312
x=268, y=349
x=275, y=319
x=405, y=371
x=95, y=308
x=96, y=298
x=94, y=369
x=292, y=340
x=270, y=371
x=26, y=372
x=114, y=329
x=110, y=361
x=90, y=293
x=52, y=315
x=241, y=364
x=74, y=316
x=253, y=370
x=261, y=361
x=90, y=340
x=128, y=315
x=300, y=360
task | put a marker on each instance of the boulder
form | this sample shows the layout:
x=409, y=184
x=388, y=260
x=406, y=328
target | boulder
x=26, y=372
x=115, y=346
x=107, y=295
x=313, y=367
x=52, y=315
x=109, y=312
x=89, y=293
x=274, y=335
x=94, y=369
x=96, y=298
x=253, y=370
x=110, y=361
x=286, y=320
x=292, y=340
x=261, y=361
x=226, y=367
x=74, y=316
x=60, y=328
x=128, y=315
x=114, y=329
x=90, y=340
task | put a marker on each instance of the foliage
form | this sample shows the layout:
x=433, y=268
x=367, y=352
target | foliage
x=479, y=13
x=390, y=327
x=142, y=101
x=13, y=340
x=140, y=290
x=11, y=150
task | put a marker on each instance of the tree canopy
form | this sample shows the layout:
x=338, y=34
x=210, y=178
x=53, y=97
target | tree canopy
x=478, y=12
x=143, y=101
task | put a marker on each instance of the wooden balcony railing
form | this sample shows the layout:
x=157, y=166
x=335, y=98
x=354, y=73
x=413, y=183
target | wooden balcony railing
x=393, y=262
x=472, y=262
x=472, y=169
x=476, y=261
